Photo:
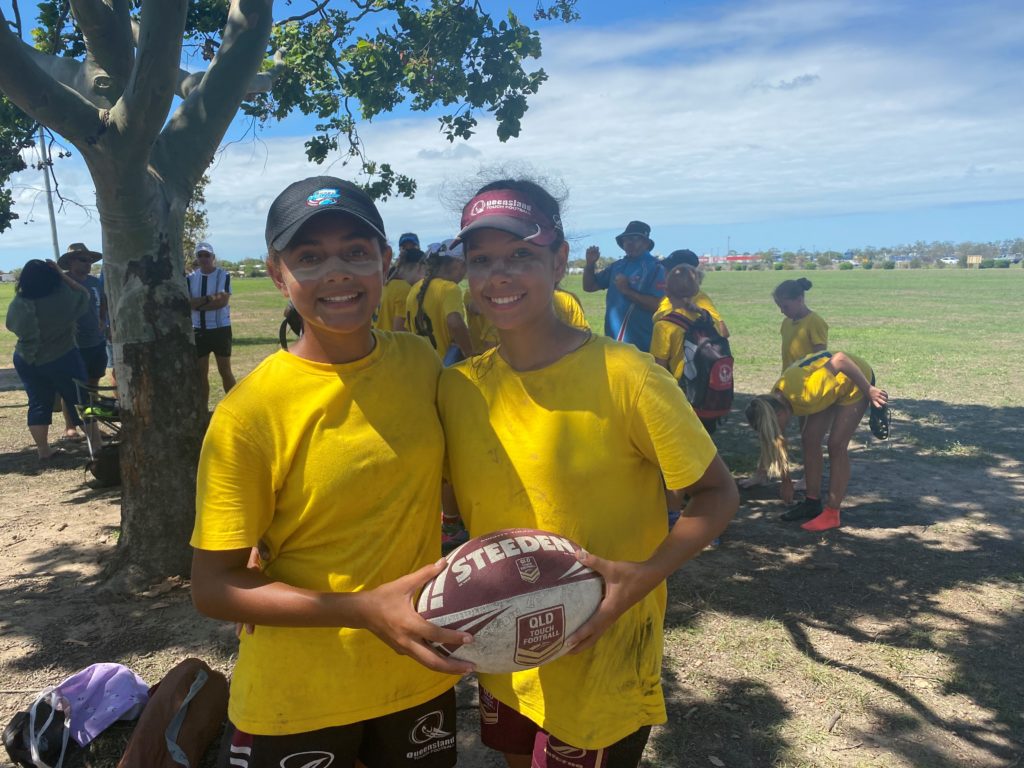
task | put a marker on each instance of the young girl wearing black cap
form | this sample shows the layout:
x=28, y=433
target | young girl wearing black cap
x=301, y=458
x=566, y=431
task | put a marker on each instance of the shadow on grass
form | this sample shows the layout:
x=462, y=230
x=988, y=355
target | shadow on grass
x=740, y=726
x=893, y=565
x=920, y=564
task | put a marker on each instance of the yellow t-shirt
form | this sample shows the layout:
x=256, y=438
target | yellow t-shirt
x=799, y=337
x=392, y=304
x=536, y=449
x=811, y=388
x=667, y=342
x=442, y=299
x=701, y=300
x=482, y=332
x=344, y=488
x=569, y=310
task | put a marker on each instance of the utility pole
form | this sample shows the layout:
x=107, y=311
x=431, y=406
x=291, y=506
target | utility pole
x=44, y=153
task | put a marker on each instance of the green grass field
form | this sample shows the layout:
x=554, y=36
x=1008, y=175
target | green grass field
x=950, y=335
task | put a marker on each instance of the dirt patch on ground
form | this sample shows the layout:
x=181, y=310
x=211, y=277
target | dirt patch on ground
x=894, y=641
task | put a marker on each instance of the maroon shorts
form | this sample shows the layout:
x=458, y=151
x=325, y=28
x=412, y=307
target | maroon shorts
x=419, y=737
x=504, y=729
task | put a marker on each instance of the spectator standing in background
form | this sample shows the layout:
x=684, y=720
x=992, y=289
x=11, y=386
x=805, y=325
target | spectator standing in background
x=209, y=290
x=635, y=285
x=77, y=262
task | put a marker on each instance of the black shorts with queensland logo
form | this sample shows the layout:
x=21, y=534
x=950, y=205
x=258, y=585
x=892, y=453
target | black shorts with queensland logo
x=504, y=729
x=419, y=737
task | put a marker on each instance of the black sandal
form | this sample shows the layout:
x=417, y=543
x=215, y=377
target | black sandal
x=879, y=421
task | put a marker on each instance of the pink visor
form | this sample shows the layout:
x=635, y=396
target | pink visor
x=509, y=211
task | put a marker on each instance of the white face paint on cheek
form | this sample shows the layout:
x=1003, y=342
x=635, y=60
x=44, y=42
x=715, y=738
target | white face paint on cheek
x=320, y=270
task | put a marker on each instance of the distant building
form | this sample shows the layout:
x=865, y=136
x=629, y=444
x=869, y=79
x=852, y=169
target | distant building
x=7, y=277
x=743, y=258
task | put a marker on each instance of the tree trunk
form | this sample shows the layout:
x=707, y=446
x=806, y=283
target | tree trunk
x=157, y=376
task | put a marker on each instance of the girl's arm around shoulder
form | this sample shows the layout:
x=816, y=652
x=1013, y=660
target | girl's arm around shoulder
x=840, y=363
x=225, y=587
x=714, y=500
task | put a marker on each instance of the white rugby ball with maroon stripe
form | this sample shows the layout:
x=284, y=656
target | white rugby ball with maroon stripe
x=520, y=592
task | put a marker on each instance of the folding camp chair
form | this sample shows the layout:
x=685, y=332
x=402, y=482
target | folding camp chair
x=99, y=404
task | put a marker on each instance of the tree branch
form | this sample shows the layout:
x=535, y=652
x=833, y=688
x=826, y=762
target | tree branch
x=186, y=146
x=17, y=17
x=318, y=7
x=142, y=109
x=108, y=36
x=40, y=94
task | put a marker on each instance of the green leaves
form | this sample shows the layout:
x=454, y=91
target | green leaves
x=17, y=132
x=449, y=53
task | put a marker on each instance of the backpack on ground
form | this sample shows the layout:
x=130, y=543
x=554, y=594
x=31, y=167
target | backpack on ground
x=186, y=711
x=70, y=716
x=707, y=376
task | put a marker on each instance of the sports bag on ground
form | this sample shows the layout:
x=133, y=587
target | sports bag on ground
x=186, y=712
x=707, y=375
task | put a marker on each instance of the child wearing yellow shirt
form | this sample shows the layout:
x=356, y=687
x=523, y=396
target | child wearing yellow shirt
x=301, y=457
x=832, y=390
x=562, y=430
x=803, y=331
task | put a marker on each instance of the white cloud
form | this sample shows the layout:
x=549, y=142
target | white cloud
x=773, y=111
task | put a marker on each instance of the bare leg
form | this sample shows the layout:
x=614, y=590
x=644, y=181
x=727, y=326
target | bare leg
x=70, y=430
x=843, y=426
x=204, y=379
x=40, y=434
x=227, y=378
x=814, y=460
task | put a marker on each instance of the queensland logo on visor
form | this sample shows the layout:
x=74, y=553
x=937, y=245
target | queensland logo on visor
x=323, y=197
x=506, y=206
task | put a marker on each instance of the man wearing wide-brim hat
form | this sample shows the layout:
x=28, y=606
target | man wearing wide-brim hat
x=77, y=261
x=78, y=253
x=635, y=285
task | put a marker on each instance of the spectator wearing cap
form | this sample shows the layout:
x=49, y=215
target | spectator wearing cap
x=434, y=308
x=686, y=257
x=407, y=243
x=209, y=290
x=77, y=262
x=635, y=285
x=391, y=314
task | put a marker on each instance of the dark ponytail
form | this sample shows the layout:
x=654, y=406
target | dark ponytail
x=791, y=289
x=293, y=320
x=421, y=321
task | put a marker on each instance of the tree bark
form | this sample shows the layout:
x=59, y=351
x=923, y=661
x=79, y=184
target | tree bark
x=163, y=418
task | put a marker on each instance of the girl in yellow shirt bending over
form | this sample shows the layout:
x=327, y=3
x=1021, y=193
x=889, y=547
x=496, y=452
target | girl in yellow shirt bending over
x=558, y=429
x=832, y=390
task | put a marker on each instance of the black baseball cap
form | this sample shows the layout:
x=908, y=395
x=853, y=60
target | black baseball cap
x=409, y=237
x=303, y=200
x=682, y=256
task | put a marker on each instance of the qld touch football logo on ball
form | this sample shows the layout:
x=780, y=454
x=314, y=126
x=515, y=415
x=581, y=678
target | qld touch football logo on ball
x=539, y=635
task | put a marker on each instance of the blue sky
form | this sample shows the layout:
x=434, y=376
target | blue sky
x=722, y=124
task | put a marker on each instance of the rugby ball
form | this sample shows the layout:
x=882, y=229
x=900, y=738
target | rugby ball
x=520, y=592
